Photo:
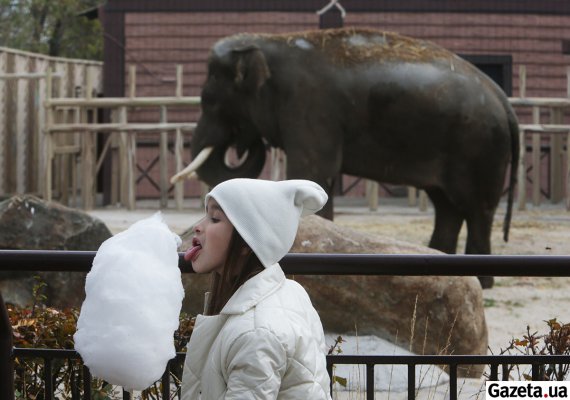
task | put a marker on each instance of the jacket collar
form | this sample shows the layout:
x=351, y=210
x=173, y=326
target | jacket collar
x=254, y=290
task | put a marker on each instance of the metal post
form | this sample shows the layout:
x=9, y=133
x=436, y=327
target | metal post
x=6, y=361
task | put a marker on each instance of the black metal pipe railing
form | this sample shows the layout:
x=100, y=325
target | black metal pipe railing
x=311, y=264
x=330, y=264
x=369, y=361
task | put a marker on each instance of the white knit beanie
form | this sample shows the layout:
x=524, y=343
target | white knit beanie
x=266, y=213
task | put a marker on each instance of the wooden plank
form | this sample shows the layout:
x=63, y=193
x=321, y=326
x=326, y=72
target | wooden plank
x=412, y=196
x=33, y=104
x=87, y=146
x=546, y=128
x=556, y=173
x=115, y=194
x=521, y=198
x=540, y=101
x=536, y=159
x=178, y=154
x=10, y=129
x=423, y=199
x=568, y=172
x=48, y=138
x=132, y=149
x=521, y=179
x=522, y=85
x=3, y=104
x=163, y=161
x=124, y=127
x=132, y=82
x=372, y=195
x=88, y=162
x=123, y=177
x=68, y=149
x=127, y=102
x=62, y=164
x=22, y=128
x=50, y=58
x=179, y=81
x=27, y=75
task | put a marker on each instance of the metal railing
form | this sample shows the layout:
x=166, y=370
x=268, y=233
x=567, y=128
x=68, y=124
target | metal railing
x=323, y=264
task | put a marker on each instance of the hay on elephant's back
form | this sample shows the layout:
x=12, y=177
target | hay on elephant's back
x=360, y=45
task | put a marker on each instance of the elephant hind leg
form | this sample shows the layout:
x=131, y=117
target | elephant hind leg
x=448, y=222
x=479, y=227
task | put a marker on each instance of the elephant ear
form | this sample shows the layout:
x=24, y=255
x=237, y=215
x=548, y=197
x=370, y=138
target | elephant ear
x=251, y=68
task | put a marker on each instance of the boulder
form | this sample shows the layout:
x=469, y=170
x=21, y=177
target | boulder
x=446, y=313
x=29, y=223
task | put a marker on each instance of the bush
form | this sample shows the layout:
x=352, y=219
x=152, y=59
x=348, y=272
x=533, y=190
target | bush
x=42, y=327
x=556, y=341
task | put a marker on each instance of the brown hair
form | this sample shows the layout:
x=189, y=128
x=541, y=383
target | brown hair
x=238, y=268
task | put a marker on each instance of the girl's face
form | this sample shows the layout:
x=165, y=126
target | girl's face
x=211, y=240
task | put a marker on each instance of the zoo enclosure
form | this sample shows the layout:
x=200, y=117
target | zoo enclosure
x=127, y=173
x=52, y=140
x=311, y=264
x=22, y=116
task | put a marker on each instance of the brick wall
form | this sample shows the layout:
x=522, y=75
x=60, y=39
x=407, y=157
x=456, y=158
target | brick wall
x=156, y=42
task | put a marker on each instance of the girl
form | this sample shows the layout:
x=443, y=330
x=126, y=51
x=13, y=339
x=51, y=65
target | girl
x=261, y=338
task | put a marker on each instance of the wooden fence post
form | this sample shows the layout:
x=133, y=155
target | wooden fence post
x=423, y=200
x=521, y=198
x=163, y=160
x=556, y=142
x=372, y=194
x=179, y=144
x=536, y=158
x=88, y=151
x=521, y=179
x=412, y=196
x=48, y=137
x=568, y=171
x=178, y=155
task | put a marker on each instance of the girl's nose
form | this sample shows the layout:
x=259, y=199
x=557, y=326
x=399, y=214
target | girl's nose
x=198, y=226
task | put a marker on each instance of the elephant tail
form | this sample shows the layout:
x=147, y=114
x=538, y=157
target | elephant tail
x=515, y=144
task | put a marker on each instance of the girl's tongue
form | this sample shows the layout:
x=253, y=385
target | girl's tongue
x=191, y=252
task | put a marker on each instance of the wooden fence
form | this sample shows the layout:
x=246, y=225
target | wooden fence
x=121, y=141
x=556, y=132
x=22, y=117
x=122, y=144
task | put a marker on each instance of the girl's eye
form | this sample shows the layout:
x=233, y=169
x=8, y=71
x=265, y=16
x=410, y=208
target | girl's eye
x=214, y=219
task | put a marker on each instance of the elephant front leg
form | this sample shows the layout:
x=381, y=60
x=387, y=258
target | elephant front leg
x=316, y=155
x=327, y=211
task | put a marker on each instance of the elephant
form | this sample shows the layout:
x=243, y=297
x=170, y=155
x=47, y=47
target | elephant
x=367, y=103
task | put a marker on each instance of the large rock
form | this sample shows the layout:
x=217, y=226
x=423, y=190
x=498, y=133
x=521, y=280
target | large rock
x=446, y=312
x=29, y=223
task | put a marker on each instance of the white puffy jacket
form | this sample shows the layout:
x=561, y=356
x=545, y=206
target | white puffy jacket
x=267, y=343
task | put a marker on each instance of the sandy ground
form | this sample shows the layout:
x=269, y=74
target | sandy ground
x=514, y=302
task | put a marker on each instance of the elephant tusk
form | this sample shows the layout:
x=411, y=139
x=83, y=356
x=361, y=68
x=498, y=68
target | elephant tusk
x=193, y=166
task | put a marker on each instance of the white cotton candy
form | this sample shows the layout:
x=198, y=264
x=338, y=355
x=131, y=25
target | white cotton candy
x=125, y=331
